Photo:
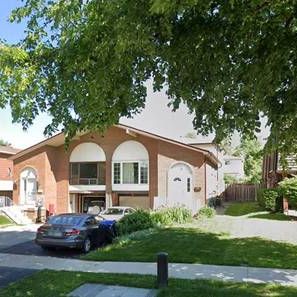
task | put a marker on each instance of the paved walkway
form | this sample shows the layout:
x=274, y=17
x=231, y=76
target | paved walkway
x=182, y=271
x=97, y=290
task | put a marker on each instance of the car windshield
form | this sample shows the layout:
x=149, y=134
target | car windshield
x=114, y=211
x=65, y=220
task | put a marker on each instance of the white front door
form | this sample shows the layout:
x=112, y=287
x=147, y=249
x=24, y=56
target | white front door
x=180, y=186
x=28, y=187
x=31, y=191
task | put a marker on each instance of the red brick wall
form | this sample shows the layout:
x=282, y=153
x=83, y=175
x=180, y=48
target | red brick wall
x=35, y=160
x=52, y=165
x=109, y=142
x=5, y=164
x=168, y=154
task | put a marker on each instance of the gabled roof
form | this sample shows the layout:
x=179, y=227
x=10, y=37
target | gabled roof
x=5, y=149
x=59, y=139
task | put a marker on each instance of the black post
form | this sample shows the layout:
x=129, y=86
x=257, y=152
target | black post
x=162, y=270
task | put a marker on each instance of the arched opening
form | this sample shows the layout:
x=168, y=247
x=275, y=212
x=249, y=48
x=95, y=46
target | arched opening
x=180, y=185
x=130, y=164
x=87, y=165
x=28, y=186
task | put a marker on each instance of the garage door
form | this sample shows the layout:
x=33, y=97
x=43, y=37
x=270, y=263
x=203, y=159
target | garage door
x=135, y=201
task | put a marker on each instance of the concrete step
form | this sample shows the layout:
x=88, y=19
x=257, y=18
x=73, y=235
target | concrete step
x=16, y=214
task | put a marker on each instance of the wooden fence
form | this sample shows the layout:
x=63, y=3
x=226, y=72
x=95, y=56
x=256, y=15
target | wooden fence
x=241, y=192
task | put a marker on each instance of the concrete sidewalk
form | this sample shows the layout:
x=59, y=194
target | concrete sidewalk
x=183, y=271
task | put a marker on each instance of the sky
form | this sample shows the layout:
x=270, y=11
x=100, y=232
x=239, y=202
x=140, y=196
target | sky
x=156, y=117
x=13, y=133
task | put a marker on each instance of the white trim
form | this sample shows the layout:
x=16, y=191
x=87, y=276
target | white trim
x=130, y=150
x=87, y=152
x=6, y=185
x=121, y=172
x=184, y=163
x=130, y=187
x=86, y=188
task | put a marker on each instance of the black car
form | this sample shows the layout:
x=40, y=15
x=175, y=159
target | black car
x=79, y=231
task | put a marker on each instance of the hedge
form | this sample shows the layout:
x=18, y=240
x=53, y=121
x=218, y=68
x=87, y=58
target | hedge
x=270, y=199
x=288, y=188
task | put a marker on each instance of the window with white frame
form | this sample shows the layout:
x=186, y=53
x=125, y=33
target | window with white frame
x=144, y=172
x=116, y=173
x=130, y=164
x=126, y=172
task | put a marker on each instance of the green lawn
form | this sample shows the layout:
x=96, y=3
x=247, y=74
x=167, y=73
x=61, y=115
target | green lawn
x=59, y=284
x=4, y=220
x=190, y=245
x=243, y=208
x=274, y=216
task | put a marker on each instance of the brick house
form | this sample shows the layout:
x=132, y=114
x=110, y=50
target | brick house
x=125, y=166
x=6, y=172
x=272, y=171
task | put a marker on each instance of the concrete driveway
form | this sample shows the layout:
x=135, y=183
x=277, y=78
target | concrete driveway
x=241, y=227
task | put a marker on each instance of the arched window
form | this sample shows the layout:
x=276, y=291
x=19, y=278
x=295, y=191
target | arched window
x=130, y=163
x=28, y=191
x=87, y=165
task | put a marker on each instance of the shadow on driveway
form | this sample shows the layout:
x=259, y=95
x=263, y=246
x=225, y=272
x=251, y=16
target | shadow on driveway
x=30, y=248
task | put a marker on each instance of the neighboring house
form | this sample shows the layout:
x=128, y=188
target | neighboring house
x=233, y=166
x=272, y=171
x=228, y=165
x=6, y=172
x=214, y=176
x=125, y=166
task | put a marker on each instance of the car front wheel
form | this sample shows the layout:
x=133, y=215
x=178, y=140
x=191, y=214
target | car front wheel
x=86, y=245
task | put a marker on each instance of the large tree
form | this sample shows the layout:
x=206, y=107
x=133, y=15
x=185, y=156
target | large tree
x=86, y=63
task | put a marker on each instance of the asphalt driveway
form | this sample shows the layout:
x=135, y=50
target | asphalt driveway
x=19, y=240
x=13, y=235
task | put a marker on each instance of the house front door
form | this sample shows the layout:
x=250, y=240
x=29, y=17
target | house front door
x=180, y=186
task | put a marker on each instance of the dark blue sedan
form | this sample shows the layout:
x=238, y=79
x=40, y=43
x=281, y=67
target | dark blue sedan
x=79, y=231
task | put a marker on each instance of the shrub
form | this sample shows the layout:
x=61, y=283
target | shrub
x=206, y=212
x=288, y=188
x=137, y=235
x=139, y=220
x=214, y=201
x=171, y=215
x=269, y=199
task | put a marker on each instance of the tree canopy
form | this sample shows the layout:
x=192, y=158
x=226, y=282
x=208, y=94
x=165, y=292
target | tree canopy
x=86, y=62
x=4, y=143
